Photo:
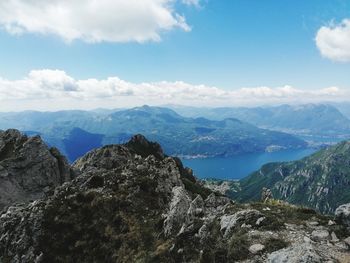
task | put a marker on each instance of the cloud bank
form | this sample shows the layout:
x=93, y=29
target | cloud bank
x=94, y=21
x=333, y=41
x=55, y=90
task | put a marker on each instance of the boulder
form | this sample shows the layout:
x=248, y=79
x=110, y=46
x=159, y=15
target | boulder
x=347, y=241
x=319, y=235
x=342, y=214
x=256, y=248
x=334, y=237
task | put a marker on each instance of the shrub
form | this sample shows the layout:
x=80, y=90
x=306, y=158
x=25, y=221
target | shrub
x=274, y=244
x=238, y=247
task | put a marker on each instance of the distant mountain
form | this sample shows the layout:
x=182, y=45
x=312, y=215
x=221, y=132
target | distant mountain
x=343, y=107
x=69, y=130
x=308, y=119
x=320, y=181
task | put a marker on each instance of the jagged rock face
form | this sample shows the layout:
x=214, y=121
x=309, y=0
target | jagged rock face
x=132, y=204
x=28, y=168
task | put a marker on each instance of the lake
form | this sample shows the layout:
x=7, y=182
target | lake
x=239, y=166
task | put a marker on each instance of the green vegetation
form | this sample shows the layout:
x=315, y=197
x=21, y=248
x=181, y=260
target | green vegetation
x=278, y=213
x=238, y=247
x=320, y=181
x=273, y=244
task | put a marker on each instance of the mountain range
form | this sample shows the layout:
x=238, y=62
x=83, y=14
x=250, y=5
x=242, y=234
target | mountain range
x=313, y=121
x=77, y=132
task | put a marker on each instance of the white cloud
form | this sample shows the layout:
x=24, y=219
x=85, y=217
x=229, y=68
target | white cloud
x=93, y=21
x=192, y=2
x=333, y=41
x=54, y=90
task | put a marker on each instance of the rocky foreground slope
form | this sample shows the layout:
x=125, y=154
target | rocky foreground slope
x=131, y=203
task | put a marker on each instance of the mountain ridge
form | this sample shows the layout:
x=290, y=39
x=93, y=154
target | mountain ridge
x=304, y=119
x=178, y=135
x=129, y=203
x=319, y=181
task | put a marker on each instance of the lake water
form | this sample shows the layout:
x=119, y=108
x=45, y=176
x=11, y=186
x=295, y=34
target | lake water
x=239, y=166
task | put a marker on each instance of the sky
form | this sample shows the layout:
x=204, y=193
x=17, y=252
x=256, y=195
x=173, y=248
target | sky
x=63, y=54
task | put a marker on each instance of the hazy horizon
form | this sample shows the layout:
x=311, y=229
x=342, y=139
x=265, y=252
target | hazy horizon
x=178, y=106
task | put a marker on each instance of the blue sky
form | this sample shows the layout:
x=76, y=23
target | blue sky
x=232, y=44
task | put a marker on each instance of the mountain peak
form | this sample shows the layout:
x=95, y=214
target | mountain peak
x=143, y=147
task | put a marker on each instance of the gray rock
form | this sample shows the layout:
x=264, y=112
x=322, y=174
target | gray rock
x=177, y=214
x=196, y=207
x=229, y=222
x=334, y=237
x=28, y=168
x=260, y=220
x=301, y=253
x=195, y=211
x=256, y=248
x=307, y=239
x=331, y=223
x=20, y=235
x=313, y=223
x=216, y=204
x=347, y=241
x=319, y=235
x=342, y=214
x=266, y=194
x=216, y=201
x=342, y=245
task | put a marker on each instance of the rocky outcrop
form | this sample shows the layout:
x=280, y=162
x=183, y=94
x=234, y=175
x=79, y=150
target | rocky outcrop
x=28, y=168
x=342, y=214
x=179, y=205
x=246, y=217
x=266, y=195
x=130, y=203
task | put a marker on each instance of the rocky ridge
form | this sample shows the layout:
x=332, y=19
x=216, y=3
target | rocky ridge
x=132, y=203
